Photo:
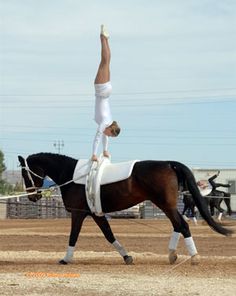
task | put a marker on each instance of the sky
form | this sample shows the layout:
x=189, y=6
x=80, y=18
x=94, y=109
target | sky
x=173, y=72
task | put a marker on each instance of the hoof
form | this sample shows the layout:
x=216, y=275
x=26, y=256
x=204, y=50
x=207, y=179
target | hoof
x=172, y=256
x=195, y=260
x=128, y=259
x=63, y=262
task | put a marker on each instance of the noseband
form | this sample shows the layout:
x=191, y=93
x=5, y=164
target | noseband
x=29, y=172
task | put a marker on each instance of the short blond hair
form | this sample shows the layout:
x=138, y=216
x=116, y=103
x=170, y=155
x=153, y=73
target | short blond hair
x=115, y=129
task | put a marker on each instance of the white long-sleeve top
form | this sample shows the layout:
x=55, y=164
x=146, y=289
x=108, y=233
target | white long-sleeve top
x=103, y=115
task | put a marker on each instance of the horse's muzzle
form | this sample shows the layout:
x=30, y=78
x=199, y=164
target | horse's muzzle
x=35, y=197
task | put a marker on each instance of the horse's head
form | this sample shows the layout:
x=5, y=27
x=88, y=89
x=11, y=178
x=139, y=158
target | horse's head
x=33, y=176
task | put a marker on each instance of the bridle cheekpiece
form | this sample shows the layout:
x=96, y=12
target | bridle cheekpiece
x=29, y=172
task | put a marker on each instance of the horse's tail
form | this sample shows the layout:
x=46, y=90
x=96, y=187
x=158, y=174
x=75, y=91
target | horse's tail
x=186, y=176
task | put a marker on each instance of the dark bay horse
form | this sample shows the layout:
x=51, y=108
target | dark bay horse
x=215, y=202
x=157, y=181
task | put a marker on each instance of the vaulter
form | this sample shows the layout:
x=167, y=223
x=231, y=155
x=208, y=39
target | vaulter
x=106, y=126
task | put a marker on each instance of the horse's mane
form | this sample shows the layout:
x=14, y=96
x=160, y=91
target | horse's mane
x=49, y=155
x=57, y=165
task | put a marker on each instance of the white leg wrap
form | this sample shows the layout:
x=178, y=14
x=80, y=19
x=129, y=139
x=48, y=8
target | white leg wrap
x=190, y=245
x=195, y=220
x=119, y=248
x=174, y=240
x=220, y=216
x=69, y=254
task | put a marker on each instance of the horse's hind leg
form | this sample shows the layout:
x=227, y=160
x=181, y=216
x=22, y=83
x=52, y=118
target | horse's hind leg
x=227, y=202
x=193, y=214
x=180, y=227
x=106, y=229
x=219, y=208
x=184, y=210
x=212, y=207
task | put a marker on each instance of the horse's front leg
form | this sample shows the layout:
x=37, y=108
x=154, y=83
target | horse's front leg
x=77, y=219
x=106, y=229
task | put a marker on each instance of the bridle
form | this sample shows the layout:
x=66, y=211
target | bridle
x=36, y=188
x=29, y=172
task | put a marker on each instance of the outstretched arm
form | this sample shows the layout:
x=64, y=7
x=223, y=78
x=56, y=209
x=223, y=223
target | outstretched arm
x=222, y=185
x=105, y=145
x=97, y=139
x=211, y=180
x=96, y=142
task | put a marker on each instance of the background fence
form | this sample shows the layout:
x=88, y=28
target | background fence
x=53, y=207
x=46, y=207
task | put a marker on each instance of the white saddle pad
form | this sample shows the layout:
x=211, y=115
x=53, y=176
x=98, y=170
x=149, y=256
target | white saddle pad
x=93, y=175
x=112, y=172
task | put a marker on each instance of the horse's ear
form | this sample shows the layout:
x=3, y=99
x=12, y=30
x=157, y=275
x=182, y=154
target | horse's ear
x=21, y=160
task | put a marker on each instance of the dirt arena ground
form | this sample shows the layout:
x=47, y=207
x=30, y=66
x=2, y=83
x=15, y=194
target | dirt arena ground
x=30, y=250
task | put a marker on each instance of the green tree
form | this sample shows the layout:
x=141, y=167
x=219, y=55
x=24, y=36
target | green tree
x=4, y=186
x=18, y=187
x=2, y=165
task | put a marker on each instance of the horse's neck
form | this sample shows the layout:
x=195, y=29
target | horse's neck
x=59, y=169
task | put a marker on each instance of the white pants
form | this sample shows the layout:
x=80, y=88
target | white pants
x=103, y=90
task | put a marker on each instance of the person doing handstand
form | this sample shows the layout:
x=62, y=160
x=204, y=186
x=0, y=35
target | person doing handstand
x=106, y=126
